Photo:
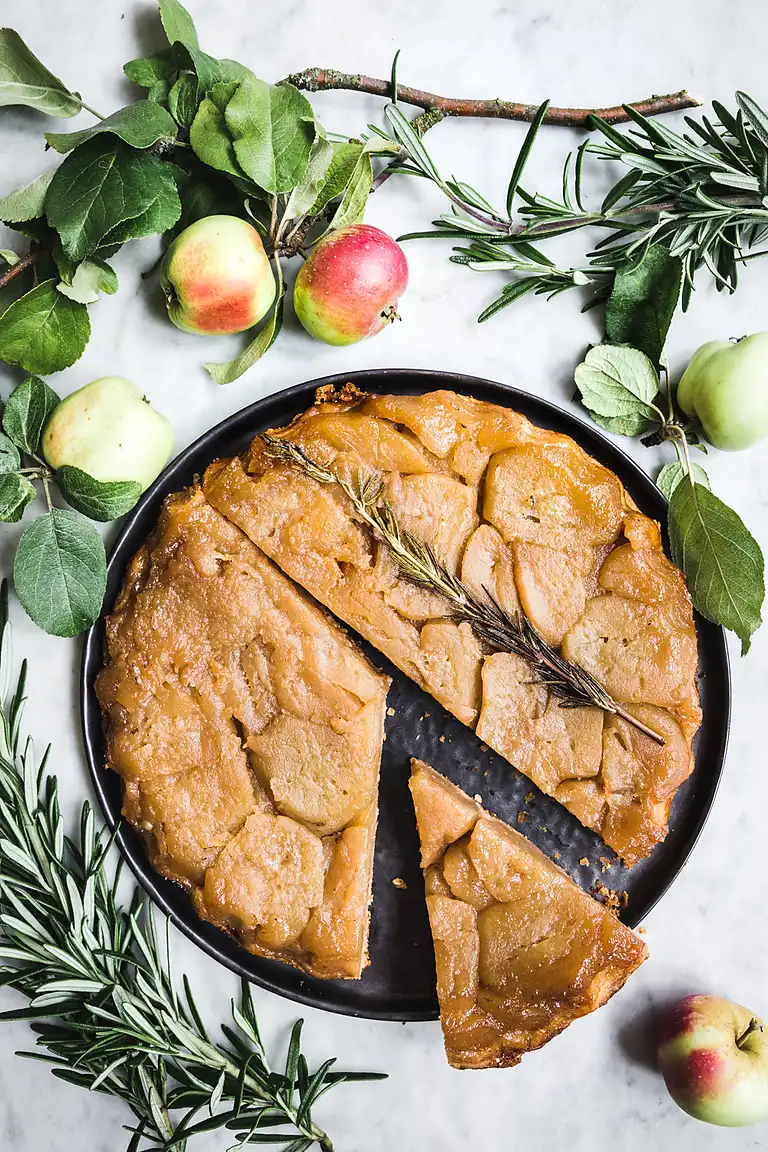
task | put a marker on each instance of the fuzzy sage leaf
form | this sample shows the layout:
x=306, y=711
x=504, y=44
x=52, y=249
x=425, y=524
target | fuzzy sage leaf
x=722, y=561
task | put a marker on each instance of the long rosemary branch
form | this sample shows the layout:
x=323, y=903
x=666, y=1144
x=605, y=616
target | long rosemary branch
x=573, y=686
x=102, y=998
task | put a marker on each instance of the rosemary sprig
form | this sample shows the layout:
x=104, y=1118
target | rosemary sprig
x=573, y=686
x=102, y=998
x=700, y=194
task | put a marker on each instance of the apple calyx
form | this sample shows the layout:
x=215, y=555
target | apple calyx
x=391, y=314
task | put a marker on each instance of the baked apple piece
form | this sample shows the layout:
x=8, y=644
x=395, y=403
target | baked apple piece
x=521, y=951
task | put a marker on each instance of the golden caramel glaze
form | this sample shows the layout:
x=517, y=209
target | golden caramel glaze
x=248, y=730
x=528, y=515
x=520, y=950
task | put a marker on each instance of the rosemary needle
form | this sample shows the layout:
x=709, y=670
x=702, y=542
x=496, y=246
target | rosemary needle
x=574, y=686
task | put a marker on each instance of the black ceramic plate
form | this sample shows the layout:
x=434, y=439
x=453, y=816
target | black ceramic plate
x=400, y=982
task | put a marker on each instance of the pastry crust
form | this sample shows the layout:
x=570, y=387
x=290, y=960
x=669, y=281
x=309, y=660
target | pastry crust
x=528, y=514
x=247, y=729
x=521, y=951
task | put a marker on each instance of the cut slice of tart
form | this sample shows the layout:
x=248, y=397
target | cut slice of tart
x=248, y=730
x=520, y=950
x=527, y=515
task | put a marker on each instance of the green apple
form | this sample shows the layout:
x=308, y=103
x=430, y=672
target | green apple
x=109, y=430
x=713, y=1055
x=725, y=387
x=217, y=277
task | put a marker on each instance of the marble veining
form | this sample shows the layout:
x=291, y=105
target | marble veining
x=596, y=1083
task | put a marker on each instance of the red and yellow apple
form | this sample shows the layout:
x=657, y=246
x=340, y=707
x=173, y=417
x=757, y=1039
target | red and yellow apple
x=349, y=286
x=217, y=278
x=713, y=1055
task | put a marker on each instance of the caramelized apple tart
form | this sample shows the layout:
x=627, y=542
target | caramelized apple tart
x=521, y=951
x=527, y=515
x=247, y=730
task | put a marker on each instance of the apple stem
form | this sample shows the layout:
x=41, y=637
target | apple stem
x=754, y=1025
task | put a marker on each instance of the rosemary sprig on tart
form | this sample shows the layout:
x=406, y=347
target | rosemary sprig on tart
x=574, y=686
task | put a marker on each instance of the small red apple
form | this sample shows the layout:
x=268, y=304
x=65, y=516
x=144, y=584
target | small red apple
x=217, y=278
x=348, y=288
x=713, y=1055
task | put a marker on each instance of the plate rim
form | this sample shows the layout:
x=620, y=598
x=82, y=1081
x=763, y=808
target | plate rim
x=92, y=649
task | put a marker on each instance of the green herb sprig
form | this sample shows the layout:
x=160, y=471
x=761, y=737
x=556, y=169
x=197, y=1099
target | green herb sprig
x=101, y=995
x=722, y=561
x=573, y=686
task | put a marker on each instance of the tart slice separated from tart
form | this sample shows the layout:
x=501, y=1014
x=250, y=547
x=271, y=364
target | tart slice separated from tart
x=521, y=951
x=247, y=730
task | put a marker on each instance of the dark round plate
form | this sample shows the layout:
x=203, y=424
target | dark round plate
x=400, y=982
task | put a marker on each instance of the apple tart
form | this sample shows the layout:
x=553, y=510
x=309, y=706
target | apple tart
x=522, y=513
x=521, y=951
x=247, y=730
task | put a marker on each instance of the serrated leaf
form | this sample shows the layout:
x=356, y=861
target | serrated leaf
x=635, y=424
x=231, y=370
x=671, y=474
x=155, y=73
x=209, y=136
x=24, y=80
x=722, y=561
x=97, y=499
x=10, y=459
x=177, y=23
x=27, y=411
x=618, y=382
x=16, y=493
x=643, y=301
x=182, y=100
x=208, y=69
x=141, y=125
x=273, y=129
x=105, y=183
x=60, y=573
x=337, y=177
x=27, y=202
x=211, y=197
x=91, y=277
x=305, y=193
x=353, y=203
x=44, y=332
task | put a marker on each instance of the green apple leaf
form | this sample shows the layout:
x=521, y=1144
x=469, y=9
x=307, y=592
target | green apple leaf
x=231, y=370
x=43, y=331
x=208, y=69
x=177, y=23
x=104, y=183
x=26, y=413
x=141, y=125
x=209, y=136
x=155, y=73
x=91, y=277
x=182, y=100
x=25, y=203
x=60, y=573
x=98, y=499
x=305, y=193
x=16, y=493
x=722, y=561
x=10, y=458
x=618, y=385
x=9, y=257
x=671, y=474
x=210, y=197
x=24, y=80
x=352, y=207
x=340, y=169
x=643, y=301
x=273, y=130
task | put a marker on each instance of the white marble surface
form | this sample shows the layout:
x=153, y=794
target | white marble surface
x=594, y=1084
